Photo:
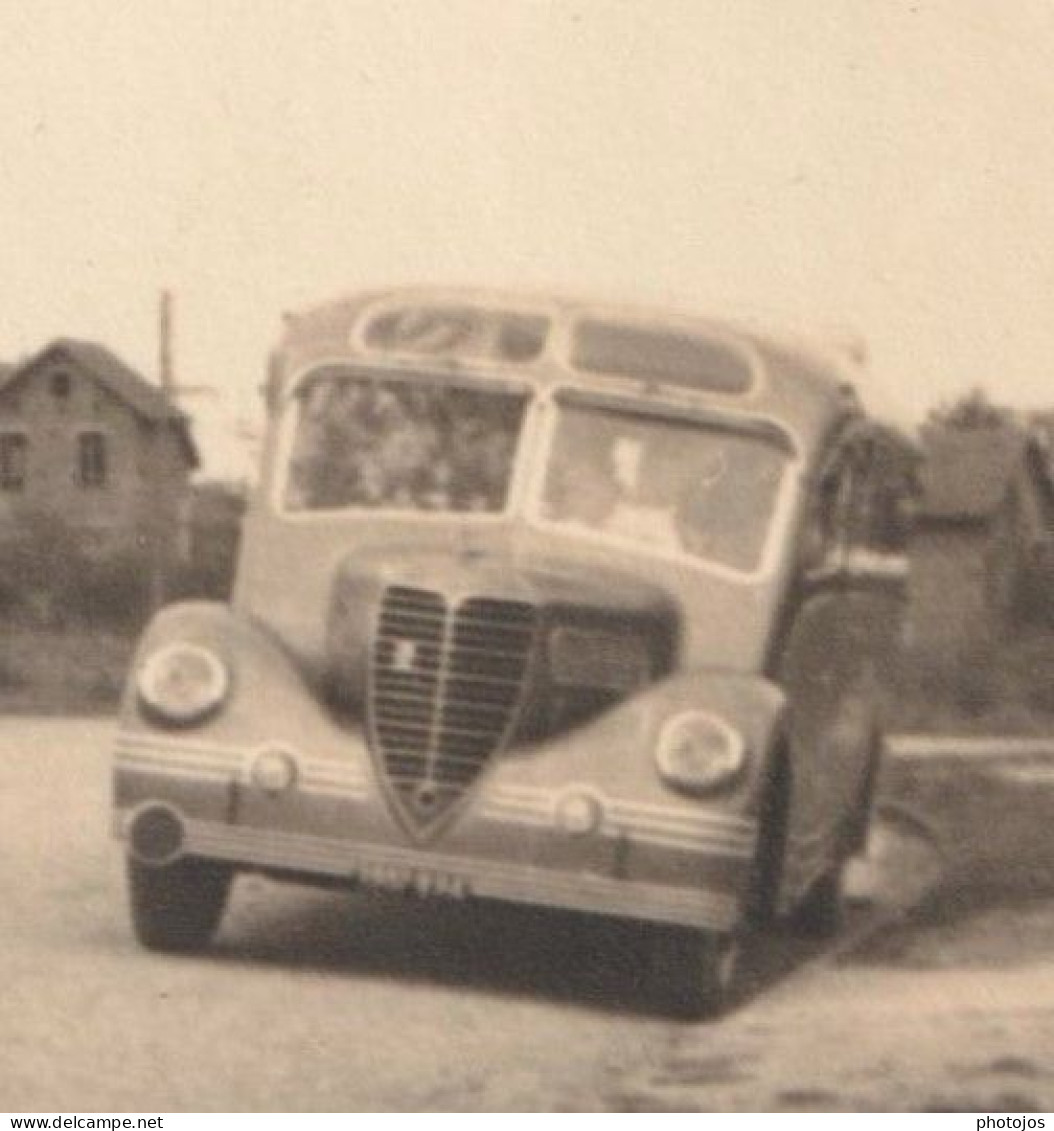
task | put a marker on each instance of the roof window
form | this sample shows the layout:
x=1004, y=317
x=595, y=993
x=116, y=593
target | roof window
x=478, y=333
x=654, y=353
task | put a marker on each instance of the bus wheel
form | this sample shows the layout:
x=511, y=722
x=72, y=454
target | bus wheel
x=767, y=868
x=695, y=974
x=178, y=906
x=820, y=913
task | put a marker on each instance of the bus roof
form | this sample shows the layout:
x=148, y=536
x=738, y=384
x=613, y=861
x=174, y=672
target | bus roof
x=726, y=365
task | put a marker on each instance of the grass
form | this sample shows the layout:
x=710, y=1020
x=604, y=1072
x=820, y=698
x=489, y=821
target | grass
x=59, y=671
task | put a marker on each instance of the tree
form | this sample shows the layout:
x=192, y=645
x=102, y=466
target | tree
x=973, y=410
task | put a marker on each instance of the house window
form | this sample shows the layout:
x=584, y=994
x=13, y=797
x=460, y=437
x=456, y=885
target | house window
x=60, y=385
x=91, y=459
x=13, y=448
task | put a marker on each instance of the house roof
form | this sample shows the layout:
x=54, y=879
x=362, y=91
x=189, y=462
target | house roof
x=966, y=472
x=146, y=400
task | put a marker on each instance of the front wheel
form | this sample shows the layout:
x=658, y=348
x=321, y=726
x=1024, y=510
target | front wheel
x=178, y=906
x=696, y=974
x=820, y=913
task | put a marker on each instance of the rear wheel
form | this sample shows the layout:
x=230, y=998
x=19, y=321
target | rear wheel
x=820, y=913
x=178, y=906
x=695, y=974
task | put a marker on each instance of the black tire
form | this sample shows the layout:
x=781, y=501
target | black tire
x=767, y=870
x=820, y=914
x=177, y=907
x=695, y=974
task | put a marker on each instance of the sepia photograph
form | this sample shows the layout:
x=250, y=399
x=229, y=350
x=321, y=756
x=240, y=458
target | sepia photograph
x=526, y=558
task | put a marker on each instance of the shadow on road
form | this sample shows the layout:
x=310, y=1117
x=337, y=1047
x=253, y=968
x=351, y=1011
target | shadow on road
x=994, y=902
x=488, y=947
x=478, y=947
x=971, y=921
x=472, y=946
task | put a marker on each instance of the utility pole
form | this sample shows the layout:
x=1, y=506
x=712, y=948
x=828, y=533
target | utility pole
x=175, y=393
x=165, y=376
x=166, y=380
x=166, y=368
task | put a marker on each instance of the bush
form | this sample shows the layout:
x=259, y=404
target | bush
x=74, y=670
x=48, y=577
x=116, y=590
x=40, y=565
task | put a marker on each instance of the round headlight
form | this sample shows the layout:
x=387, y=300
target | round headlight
x=698, y=752
x=182, y=682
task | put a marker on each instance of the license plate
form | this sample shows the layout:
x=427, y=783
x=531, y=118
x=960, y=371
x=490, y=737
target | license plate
x=407, y=878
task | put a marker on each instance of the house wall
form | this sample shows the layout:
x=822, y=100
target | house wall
x=140, y=503
x=949, y=608
x=162, y=491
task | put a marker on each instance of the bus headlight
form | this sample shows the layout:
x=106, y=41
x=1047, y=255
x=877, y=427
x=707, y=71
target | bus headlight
x=698, y=752
x=182, y=683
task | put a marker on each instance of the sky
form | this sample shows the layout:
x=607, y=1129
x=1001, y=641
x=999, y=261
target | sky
x=878, y=165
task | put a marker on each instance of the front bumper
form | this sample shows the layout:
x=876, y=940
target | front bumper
x=671, y=863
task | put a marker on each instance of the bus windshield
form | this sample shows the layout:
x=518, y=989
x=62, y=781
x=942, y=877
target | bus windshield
x=675, y=486
x=362, y=441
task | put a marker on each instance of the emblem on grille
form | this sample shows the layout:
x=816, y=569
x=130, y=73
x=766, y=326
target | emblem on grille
x=446, y=689
x=404, y=655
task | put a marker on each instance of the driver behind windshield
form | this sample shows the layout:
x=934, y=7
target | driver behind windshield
x=623, y=486
x=669, y=486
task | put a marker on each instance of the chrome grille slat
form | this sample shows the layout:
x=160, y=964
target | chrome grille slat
x=456, y=676
x=446, y=683
x=452, y=736
x=431, y=671
x=466, y=650
x=425, y=666
x=405, y=683
x=425, y=619
x=396, y=755
x=414, y=713
x=451, y=733
x=467, y=620
x=477, y=683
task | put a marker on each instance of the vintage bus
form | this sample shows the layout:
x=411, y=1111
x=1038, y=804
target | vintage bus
x=538, y=601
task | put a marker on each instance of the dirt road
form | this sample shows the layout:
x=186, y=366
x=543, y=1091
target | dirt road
x=320, y=1001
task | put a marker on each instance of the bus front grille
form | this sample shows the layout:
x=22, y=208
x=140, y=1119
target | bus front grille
x=446, y=687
